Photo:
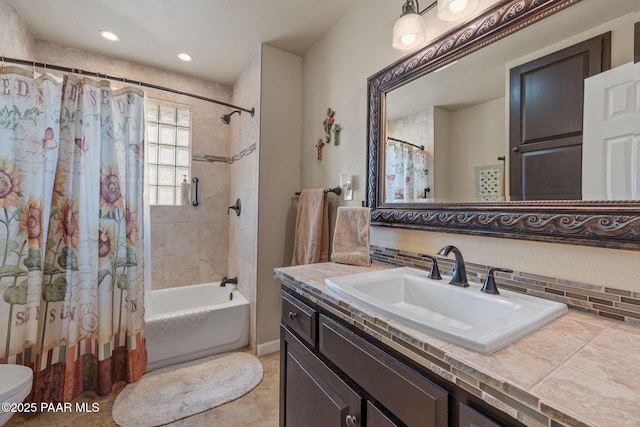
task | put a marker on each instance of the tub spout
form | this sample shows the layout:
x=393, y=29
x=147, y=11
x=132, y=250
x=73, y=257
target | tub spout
x=233, y=281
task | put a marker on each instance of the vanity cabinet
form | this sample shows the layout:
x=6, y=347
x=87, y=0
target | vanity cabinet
x=332, y=374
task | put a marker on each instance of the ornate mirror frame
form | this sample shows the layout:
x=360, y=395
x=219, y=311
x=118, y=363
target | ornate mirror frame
x=612, y=224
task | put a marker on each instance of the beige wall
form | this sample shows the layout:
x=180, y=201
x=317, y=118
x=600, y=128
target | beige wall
x=280, y=131
x=16, y=41
x=335, y=74
x=477, y=139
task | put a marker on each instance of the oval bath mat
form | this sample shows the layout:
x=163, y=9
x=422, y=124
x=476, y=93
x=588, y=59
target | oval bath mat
x=179, y=391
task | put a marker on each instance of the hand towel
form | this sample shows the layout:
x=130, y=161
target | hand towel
x=351, y=236
x=311, y=243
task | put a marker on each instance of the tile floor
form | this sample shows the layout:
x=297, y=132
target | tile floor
x=258, y=408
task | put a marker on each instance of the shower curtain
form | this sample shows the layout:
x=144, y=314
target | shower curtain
x=71, y=243
x=405, y=174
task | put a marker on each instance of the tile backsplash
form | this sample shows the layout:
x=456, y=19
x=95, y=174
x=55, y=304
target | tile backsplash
x=604, y=301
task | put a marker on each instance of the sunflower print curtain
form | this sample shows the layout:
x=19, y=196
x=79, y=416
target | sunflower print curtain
x=71, y=198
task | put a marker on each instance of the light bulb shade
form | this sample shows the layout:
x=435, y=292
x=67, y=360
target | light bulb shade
x=454, y=10
x=408, y=32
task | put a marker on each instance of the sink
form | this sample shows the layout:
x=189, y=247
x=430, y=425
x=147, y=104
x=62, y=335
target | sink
x=463, y=316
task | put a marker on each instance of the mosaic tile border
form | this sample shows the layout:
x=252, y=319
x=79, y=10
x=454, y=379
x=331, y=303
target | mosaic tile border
x=617, y=304
x=220, y=159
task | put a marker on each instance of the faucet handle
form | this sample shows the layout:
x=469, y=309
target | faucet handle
x=434, y=273
x=489, y=286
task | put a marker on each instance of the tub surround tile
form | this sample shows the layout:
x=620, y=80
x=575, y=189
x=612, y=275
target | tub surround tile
x=181, y=270
x=181, y=239
x=560, y=375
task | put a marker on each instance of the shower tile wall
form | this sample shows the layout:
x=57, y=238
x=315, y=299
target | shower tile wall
x=245, y=138
x=188, y=244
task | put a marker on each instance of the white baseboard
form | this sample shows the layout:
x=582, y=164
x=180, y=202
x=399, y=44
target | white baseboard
x=268, y=347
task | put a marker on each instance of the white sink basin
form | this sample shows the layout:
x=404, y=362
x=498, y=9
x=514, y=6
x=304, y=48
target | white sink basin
x=463, y=316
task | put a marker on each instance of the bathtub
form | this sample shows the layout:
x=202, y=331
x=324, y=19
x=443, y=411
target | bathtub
x=189, y=322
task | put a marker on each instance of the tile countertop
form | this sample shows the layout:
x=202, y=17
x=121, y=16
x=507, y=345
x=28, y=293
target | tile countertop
x=579, y=370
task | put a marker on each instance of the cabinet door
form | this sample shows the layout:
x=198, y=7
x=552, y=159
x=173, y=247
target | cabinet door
x=311, y=394
x=469, y=417
x=409, y=396
x=375, y=418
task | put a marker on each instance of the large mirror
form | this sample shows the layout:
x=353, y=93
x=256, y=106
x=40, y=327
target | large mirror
x=449, y=106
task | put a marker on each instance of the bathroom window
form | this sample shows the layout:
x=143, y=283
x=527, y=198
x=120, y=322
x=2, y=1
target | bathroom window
x=168, y=151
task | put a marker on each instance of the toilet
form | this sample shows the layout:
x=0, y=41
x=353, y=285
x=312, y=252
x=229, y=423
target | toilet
x=15, y=386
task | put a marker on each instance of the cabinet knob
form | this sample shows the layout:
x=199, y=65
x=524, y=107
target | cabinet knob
x=515, y=149
x=351, y=420
x=292, y=315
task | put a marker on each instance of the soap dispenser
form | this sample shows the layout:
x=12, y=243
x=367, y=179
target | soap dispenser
x=184, y=192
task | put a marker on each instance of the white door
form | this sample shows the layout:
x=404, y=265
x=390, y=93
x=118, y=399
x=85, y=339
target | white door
x=611, y=139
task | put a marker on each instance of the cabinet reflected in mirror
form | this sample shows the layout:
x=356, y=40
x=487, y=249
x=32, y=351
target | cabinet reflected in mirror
x=460, y=114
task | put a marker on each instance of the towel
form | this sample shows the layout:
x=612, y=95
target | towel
x=311, y=243
x=351, y=236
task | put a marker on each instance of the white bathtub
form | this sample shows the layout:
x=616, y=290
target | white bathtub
x=189, y=322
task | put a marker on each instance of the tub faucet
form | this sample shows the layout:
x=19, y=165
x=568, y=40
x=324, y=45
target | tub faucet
x=459, y=277
x=233, y=281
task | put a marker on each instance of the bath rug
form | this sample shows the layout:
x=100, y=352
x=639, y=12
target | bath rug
x=179, y=391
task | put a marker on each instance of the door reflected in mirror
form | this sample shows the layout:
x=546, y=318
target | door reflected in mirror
x=463, y=115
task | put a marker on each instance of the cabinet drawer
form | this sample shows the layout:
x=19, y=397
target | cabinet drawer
x=299, y=317
x=411, y=397
x=469, y=417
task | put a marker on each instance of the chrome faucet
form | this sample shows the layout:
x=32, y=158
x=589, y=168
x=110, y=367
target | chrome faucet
x=459, y=277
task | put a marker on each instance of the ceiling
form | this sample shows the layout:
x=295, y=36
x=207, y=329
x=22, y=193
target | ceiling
x=220, y=35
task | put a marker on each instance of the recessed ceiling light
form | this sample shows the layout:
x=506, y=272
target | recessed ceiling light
x=184, y=56
x=109, y=35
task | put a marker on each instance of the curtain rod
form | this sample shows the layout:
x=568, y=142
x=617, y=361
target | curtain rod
x=120, y=79
x=421, y=147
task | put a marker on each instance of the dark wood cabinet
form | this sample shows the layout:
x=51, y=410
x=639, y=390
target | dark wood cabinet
x=333, y=375
x=299, y=317
x=469, y=417
x=315, y=396
x=408, y=395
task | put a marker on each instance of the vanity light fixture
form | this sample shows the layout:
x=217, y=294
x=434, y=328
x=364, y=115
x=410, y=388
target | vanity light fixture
x=109, y=35
x=409, y=29
x=454, y=10
x=184, y=57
